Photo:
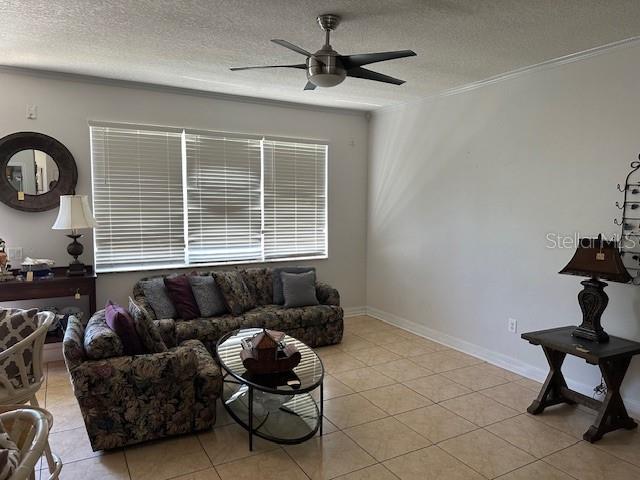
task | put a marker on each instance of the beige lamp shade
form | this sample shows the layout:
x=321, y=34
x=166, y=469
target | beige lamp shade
x=74, y=214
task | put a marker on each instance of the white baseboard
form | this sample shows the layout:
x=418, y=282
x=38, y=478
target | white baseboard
x=504, y=361
x=354, y=311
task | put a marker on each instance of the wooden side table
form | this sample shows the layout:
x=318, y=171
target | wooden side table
x=612, y=358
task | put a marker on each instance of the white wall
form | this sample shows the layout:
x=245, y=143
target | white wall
x=463, y=190
x=66, y=105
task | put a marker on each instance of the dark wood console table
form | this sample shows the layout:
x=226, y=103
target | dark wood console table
x=612, y=358
x=60, y=285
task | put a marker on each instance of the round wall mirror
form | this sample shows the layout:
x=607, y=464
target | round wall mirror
x=36, y=169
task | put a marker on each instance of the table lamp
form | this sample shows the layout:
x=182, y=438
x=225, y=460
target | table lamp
x=595, y=258
x=74, y=215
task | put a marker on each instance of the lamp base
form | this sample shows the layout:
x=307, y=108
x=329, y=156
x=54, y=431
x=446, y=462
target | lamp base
x=76, y=269
x=593, y=301
x=75, y=249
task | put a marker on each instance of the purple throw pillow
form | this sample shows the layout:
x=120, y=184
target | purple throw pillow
x=181, y=295
x=120, y=321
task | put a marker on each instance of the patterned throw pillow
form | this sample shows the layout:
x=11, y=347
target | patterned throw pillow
x=99, y=340
x=207, y=294
x=147, y=331
x=235, y=292
x=16, y=325
x=9, y=454
x=158, y=297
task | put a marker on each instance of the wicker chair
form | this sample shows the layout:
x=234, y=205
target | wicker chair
x=21, y=369
x=29, y=428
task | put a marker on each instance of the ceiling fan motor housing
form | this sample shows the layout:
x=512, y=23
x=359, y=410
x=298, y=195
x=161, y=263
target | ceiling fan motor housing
x=324, y=68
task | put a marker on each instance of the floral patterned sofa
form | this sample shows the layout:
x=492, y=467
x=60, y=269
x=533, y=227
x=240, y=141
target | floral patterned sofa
x=130, y=399
x=316, y=325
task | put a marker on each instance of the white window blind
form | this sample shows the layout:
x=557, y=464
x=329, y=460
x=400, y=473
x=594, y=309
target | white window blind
x=137, y=198
x=295, y=199
x=223, y=198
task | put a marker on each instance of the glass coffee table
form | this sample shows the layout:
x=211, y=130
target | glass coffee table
x=279, y=407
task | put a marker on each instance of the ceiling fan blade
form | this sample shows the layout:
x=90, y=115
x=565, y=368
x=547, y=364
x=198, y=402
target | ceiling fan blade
x=350, y=61
x=360, y=72
x=297, y=65
x=291, y=46
x=310, y=86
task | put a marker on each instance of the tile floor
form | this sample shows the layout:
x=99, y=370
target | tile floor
x=413, y=409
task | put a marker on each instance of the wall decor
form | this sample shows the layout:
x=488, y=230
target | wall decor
x=35, y=169
x=630, y=223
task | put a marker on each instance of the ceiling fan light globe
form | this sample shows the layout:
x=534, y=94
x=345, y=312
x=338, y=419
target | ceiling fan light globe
x=326, y=79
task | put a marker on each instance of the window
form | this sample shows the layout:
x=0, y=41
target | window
x=170, y=197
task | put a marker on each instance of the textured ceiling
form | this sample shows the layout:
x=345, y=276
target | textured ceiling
x=191, y=44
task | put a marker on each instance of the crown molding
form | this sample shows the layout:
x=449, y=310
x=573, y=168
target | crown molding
x=553, y=63
x=113, y=82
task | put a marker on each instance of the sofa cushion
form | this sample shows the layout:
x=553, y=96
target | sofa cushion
x=278, y=295
x=179, y=291
x=235, y=292
x=207, y=330
x=120, y=321
x=259, y=281
x=99, y=340
x=148, y=332
x=299, y=289
x=156, y=294
x=207, y=294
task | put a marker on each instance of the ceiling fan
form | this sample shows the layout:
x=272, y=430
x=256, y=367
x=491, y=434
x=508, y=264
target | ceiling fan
x=327, y=68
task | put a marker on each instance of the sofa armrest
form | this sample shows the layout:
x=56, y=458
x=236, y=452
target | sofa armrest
x=327, y=295
x=167, y=329
x=137, y=373
x=72, y=344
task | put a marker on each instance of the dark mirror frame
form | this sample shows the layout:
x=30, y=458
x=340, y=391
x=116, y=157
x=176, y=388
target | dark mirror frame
x=67, y=171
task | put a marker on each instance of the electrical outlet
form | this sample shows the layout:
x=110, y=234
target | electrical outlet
x=32, y=112
x=513, y=325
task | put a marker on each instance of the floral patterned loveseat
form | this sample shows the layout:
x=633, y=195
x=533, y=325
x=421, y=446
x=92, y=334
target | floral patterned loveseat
x=316, y=325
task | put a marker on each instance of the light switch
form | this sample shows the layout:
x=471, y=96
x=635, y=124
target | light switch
x=32, y=112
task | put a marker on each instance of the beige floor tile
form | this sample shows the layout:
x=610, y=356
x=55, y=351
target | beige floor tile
x=351, y=342
x=351, y=410
x=341, y=362
x=72, y=445
x=512, y=395
x=395, y=399
x=586, y=462
x=530, y=384
x=479, y=409
x=382, y=338
x=66, y=415
x=273, y=465
x=386, y=438
x=430, y=463
x=436, y=423
x=329, y=456
x=445, y=361
x=374, y=355
x=328, y=427
x=111, y=466
x=57, y=374
x=532, y=436
x=231, y=442
x=437, y=388
x=333, y=388
x=568, y=419
x=408, y=348
x=206, y=474
x=166, y=458
x=324, y=352
x=222, y=416
x=374, y=472
x=475, y=377
x=623, y=444
x=363, y=379
x=59, y=394
x=536, y=471
x=486, y=453
x=402, y=370
x=501, y=372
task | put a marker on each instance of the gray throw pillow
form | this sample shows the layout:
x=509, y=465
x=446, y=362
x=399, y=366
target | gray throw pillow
x=208, y=297
x=156, y=294
x=278, y=296
x=299, y=289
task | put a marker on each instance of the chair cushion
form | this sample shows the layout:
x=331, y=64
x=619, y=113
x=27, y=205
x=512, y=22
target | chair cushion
x=148, y=332
x=299, y=289
x=120, y=321
x=278, y=295
x=99, y=340
x=207, y=294
x=179, y=290
x=235, y=291
x=156, y=294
